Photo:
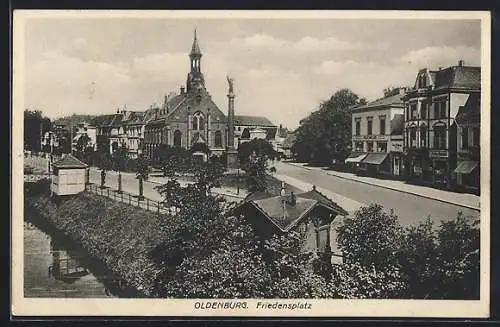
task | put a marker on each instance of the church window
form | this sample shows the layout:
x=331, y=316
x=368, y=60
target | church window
x=198, y=121
x=218, y=139
x=177, y=138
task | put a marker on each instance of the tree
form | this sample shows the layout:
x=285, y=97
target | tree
x=372, y=237
x=81, y=146
x=256, y=170
x=119, y=157
x=210, y=253
x=459, y=257
x=326, y=133
x=35, y=126
x=261, y=148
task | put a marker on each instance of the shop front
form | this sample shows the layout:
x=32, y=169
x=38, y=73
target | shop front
x=418, y=167
x=397, y=164
x=440, y=168
x=375, y=164
x=468, y=176
x=354, y=159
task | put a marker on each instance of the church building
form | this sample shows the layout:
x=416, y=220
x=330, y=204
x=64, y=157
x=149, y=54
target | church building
x=189, y=116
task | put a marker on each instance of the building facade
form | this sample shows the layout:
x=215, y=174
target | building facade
x=430, y=132
x=377, y=136
x=468, y=119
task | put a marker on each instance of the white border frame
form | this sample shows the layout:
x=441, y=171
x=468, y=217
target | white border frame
x=178, y=307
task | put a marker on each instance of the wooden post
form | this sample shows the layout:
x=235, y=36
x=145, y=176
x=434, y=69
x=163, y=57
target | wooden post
x=158, y=203
x=108, y=192
x=121, y=194
x=147, y=204
x=129, y=199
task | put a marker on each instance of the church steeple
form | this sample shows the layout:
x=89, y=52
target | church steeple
x=195, y=80
x=195, y=49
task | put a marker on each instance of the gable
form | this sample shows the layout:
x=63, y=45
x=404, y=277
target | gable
x=190, y=104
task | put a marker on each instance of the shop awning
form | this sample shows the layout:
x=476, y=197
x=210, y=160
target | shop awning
x=355, y=157
x=375, y=158
x=465, y=167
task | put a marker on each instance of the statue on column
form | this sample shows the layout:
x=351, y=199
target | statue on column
x=230, y=81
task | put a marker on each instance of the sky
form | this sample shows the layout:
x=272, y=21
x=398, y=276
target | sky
x=282, y=68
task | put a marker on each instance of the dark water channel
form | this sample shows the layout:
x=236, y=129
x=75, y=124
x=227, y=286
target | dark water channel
x=55, y=267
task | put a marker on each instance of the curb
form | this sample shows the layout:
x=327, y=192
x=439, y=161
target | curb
x=396, y=189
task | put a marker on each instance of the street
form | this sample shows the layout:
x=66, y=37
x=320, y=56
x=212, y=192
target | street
x=408, y=207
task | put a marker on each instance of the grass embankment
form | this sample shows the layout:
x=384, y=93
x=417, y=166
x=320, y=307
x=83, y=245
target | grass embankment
x=121, y=236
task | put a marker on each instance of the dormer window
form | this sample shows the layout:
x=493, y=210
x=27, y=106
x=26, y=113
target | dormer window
x=422, y=81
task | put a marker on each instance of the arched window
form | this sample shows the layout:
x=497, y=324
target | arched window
x=177, y=139
x=198, y=122
x=245, y=134
x=218, y=139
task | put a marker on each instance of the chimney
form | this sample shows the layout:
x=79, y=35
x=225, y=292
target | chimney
x=182, y=89
x=460, y=63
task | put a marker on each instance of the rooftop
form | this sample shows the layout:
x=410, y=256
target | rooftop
x=252, y=121
x=393, y=100
x=282, y=213
x=68, y=161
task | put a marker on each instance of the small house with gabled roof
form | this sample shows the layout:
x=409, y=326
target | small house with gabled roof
x=69, y=176
x=309, y=214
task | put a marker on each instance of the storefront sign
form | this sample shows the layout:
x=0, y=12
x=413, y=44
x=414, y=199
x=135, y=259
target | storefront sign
x=369, y=137
x=438, y=154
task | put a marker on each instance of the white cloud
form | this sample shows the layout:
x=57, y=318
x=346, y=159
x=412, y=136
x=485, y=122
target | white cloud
x=331, y=43
x=432, y=57
x=306, y=44
x=79, y=42
x=330, y=67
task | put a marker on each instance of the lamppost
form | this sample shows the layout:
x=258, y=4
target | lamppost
x=119, y=181
x=238, y=181
x=141, y=183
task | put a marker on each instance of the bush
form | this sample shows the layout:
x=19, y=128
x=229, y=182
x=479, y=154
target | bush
x=372, y=237
x=382, y=260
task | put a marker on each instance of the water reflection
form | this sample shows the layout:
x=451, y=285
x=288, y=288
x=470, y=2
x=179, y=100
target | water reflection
x=65, y=267
x=56, y=267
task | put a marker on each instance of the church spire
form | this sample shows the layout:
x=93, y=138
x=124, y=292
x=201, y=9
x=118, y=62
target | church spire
x=195, y=49
x=195, y=80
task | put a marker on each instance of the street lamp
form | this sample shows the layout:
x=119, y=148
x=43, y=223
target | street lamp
x=119, y=181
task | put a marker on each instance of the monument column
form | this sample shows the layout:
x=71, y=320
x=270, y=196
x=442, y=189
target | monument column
x=232, y=154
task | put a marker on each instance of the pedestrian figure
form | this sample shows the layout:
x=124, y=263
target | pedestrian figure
x=103, y=178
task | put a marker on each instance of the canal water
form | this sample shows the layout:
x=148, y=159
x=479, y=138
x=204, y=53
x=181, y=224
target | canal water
x=56, y=267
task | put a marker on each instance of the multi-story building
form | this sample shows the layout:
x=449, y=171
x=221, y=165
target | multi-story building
x=468, y=144
x=377, y=135
x=430, y=132
x=106, y=130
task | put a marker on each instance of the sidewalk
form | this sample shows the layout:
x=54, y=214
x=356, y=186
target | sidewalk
x=470, y=201
x=230, y=193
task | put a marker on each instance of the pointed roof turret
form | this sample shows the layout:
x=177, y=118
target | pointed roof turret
x=195, y=49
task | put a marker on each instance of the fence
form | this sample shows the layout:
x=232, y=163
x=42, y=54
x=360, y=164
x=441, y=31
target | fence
x=130, y=199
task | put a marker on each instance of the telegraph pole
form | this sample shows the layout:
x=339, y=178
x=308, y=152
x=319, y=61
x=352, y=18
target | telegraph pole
x=71, y=139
